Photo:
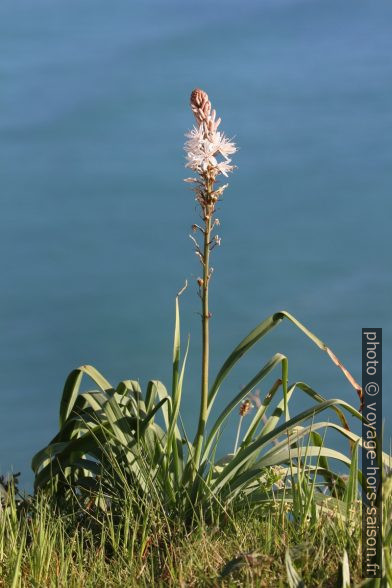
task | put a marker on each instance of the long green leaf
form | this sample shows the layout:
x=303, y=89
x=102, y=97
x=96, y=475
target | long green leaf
x=260, y=331
x=72, y=386
x=176, y=351
x=240, y=350
x=261, y=411
x=244, y=454
x=351, y=493
x=265, y=370
x=345, y=571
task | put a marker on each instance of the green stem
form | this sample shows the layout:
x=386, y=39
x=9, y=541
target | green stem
x=238, y=435
x=208, y=210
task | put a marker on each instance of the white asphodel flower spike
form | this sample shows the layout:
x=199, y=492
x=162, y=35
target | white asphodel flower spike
x=208, y=154
x=207, y=149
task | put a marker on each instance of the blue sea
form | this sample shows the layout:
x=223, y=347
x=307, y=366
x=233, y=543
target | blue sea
x=95, y=216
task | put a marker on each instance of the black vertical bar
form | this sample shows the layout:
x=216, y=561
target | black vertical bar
x=372, y=453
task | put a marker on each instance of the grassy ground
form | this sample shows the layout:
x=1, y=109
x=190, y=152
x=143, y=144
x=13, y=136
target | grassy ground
x=257, y=548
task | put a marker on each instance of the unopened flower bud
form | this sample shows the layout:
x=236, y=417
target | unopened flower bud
x=201, y=106
x=198, y=97
x=200, y=282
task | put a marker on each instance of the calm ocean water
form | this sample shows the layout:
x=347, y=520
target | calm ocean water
x=95, y=216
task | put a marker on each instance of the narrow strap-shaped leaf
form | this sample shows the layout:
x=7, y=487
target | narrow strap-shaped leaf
x=176, y=351
x=273, y=420
x=94, y=441
x=261, y=411
x=329, y=352
x=353, y=437
x=260, y=331
x=152, y=413
x=131, y=389
x=105, y=404
x=72, y=423
x=47, y=454
x=245, y=483
x=351, y=493
x=173, y=435
x=70, y=393
x=244, y=454
x=151, y=394
x=86, y=444
x=265, y=370
x=346, y=583
x=284, y=456
x=320, y=398
x=318, y=441
x=72, y=386
x=161, y=392
x=17, y=571
x=285, y=383
x=242, y=348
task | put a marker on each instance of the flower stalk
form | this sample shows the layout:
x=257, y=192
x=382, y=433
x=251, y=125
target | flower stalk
x=208, y=153
x=245, y=407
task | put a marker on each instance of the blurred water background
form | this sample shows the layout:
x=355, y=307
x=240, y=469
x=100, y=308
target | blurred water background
x=95, y=215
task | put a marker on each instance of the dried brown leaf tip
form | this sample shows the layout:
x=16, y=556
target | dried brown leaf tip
x=349, y=377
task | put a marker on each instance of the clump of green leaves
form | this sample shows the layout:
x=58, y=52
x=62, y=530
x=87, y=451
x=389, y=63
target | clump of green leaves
x=112, y=439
